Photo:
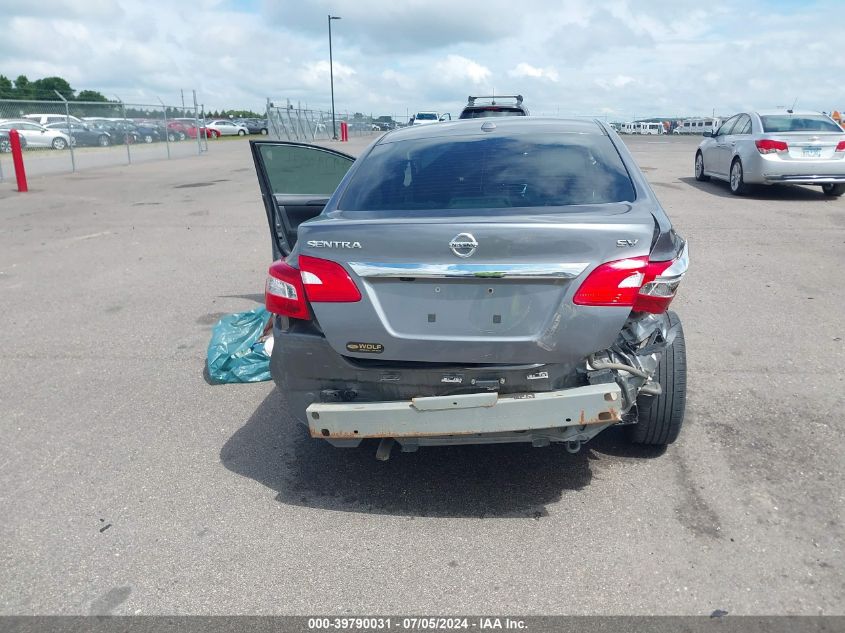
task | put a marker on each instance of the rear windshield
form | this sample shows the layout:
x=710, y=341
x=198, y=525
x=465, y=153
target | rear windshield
x=550, y=170
x=479, y=113
x=803, y=123
x=426, y=116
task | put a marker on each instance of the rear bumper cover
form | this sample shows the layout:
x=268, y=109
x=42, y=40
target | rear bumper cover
x=307, y=371
x=467, y=414
x=801, y=179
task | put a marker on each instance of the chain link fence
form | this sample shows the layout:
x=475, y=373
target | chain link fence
x=287, y=122
x=61, y=136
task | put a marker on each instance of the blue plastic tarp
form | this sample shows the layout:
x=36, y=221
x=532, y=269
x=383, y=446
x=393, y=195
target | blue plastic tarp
x=239, y=350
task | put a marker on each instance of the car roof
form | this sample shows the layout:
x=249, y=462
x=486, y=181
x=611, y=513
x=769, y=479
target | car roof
x=505, y=125
x=776, y=112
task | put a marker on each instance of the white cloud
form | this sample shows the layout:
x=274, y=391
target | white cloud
x=523, y=70
x=456, y=68
x=663, y=57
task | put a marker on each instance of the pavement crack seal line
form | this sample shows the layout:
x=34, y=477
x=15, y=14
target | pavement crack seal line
x=90, y=236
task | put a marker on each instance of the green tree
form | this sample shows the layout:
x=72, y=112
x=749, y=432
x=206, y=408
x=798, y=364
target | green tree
x=91, y=95
x=22, y=88
x=47, y=87
x=6, y=87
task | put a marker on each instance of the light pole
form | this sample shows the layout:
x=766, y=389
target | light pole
x=331, y=74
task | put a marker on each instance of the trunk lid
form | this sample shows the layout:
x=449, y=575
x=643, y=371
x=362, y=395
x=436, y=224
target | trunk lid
x=809, y=145
x=468, y=290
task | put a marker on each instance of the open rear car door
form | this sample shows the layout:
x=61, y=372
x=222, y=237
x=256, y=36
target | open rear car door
x=296, y=182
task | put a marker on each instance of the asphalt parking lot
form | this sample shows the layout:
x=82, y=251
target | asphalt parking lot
x=130, y=485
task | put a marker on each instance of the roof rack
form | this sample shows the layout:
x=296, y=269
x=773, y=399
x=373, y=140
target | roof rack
x=471, y=99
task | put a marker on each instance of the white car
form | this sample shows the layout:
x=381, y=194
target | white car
x=227, y=128
x=37, y=135
x=425, y=118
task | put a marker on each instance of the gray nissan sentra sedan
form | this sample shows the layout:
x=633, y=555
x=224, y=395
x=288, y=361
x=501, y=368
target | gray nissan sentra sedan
x=775, y=146
x=472, y=282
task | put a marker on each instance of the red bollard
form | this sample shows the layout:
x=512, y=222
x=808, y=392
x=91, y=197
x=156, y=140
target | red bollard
x=344, y=131
x=17, y=159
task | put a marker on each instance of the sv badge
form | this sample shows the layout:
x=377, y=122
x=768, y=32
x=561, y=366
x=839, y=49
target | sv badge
x=624, y=243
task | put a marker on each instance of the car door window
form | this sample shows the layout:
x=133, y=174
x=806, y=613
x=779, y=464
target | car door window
x=727, y=127
x=296, y=182
x=743, y=125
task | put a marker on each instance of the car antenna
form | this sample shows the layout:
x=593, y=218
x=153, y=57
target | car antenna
x=794, y=103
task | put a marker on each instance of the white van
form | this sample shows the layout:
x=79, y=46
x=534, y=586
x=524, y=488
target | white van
x=44, y=119
x=651, y=128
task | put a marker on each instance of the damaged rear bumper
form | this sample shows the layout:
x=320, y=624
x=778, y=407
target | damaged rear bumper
x=468, y=414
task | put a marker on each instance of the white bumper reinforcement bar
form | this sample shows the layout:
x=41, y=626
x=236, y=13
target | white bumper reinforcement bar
x=466, y=414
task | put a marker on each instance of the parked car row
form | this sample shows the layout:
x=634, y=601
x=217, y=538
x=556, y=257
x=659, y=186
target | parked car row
x=60, y=132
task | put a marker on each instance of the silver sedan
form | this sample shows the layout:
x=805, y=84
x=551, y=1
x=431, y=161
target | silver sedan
x=768, y=147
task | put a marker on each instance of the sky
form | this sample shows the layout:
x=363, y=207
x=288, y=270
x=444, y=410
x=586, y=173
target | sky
x=621, y=59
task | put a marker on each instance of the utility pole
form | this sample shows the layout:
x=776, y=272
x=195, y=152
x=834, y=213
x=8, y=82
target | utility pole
x=331, y=74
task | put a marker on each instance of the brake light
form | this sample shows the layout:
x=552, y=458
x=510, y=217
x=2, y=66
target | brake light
x=326, y=281
x=283, y=292
x=613, y=283
x=643, y=285
x=840, y=147
x=768, y=146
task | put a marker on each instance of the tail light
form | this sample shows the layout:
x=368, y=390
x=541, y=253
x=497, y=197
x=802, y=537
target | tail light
x=840, y=146
x=613, y=283
x=288, y=290
x=643, y=285
x=283, y=293
x=768, y=146
x=327, y=281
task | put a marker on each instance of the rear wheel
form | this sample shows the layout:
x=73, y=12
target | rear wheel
x=103, y=140
x=171, y=137
x=661, y=417
x=148, y=138
x=5, y=146
x=699, y=168
x=59, y=143
x=241, y=133
x=182, y=136
x=833, y=190
x=264, y=131
x=737, y=181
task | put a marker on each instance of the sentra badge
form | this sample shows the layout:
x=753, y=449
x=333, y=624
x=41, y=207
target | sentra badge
x=332, y=244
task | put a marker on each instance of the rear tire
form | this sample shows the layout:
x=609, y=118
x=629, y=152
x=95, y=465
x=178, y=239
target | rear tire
x=5, y=146
x=264, y=131
x=241, y=133
x=661, y=417
x=59, y=143
x=736, y=180
x=103, y=140
x=833, y=190
x=700, y=176
x=148, y=138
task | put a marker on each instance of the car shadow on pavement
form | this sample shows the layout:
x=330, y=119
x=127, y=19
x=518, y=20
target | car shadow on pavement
x=758, y=192
x=506, y=480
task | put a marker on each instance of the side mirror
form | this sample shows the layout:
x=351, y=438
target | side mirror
x=446, y=117
x=709, y=134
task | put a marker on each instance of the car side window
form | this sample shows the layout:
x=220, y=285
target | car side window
x=743, y=126
x=727, y=126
